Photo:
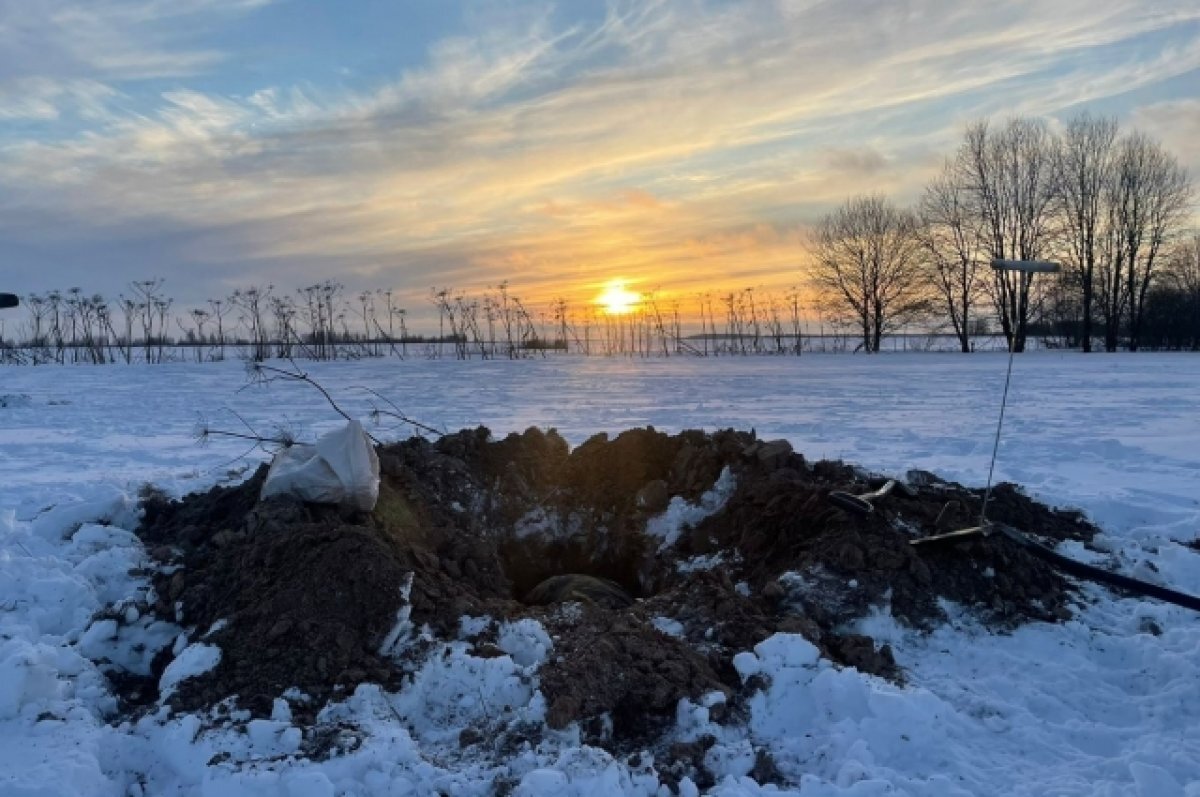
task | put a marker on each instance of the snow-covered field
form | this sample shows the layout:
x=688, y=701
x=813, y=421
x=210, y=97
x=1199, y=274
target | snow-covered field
x=1108, y=703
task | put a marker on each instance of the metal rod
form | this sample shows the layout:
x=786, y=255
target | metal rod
x=1026, y=266
x=952, y=535
x=996, y=445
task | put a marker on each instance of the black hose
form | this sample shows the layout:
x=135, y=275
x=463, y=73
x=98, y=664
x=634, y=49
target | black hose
x=1097, y=574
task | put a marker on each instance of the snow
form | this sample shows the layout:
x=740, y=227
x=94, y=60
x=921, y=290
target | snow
x=455, y=690
x=526, y=641
x=8, y=401
x=681, y=514
x=702, y=562
x=193, y=660
x=1105, y=704
x=397, y=638
x=669, y=626
x=469, y=626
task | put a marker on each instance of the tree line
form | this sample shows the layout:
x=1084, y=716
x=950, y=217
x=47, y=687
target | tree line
x=1112, y=207
x=318, y=322
x=323, y=322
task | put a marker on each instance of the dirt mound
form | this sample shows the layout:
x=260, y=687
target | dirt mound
x=617, y=666
x=836, y=564
x=305, y=605
x=527, y=527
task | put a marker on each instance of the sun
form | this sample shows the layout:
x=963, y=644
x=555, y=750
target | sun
x=617, y=300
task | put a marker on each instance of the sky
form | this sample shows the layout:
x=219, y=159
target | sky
x=678, y=145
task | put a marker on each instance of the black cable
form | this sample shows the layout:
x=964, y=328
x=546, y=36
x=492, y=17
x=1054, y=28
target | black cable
x=1099, y=575
x=859, y=505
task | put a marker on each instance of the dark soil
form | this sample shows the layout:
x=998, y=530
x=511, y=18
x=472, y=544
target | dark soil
x=310, y=592
x=618, y=664
x=781, y=522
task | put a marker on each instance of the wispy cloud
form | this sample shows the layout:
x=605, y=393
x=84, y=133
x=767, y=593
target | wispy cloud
x=46, y=99
x=110, y=39
x=1177, y=124
x=676, y=143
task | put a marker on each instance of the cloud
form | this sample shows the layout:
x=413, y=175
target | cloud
x=1176, y=123
x=110, y=40
x=677, y=143
x=865, y=161
x=46, y=99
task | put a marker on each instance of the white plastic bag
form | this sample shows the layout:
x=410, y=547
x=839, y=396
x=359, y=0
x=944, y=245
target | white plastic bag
x=341, y=468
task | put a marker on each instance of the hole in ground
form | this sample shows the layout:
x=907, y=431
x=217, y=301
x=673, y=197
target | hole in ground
x=587, y=568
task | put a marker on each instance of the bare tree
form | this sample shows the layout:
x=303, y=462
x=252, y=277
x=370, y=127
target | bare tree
x=199, y=317
x=1010, y=175
x=793, y=303
x=1183, y=270
x=951, y=233
x=1149, y=195
x=1085, y=158
x=1183, y=276
x=220, y=309
x=151, y=306
x=284, y=311
x=866, y=257
x=253, y=302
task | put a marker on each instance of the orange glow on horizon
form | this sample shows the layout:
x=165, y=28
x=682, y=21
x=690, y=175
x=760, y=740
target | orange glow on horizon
x=616, y=299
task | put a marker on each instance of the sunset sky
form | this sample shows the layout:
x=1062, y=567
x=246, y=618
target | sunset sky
x=683, y=146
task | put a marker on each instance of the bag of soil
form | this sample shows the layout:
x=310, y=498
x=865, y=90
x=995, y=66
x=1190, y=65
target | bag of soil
x=340, y=468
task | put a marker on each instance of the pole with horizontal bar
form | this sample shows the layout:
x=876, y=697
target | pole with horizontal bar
x=1026, y=268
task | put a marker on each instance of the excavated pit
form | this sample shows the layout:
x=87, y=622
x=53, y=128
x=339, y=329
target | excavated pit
x=583, y=541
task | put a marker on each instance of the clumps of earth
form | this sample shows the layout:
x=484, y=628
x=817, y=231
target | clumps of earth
x=650, y=559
